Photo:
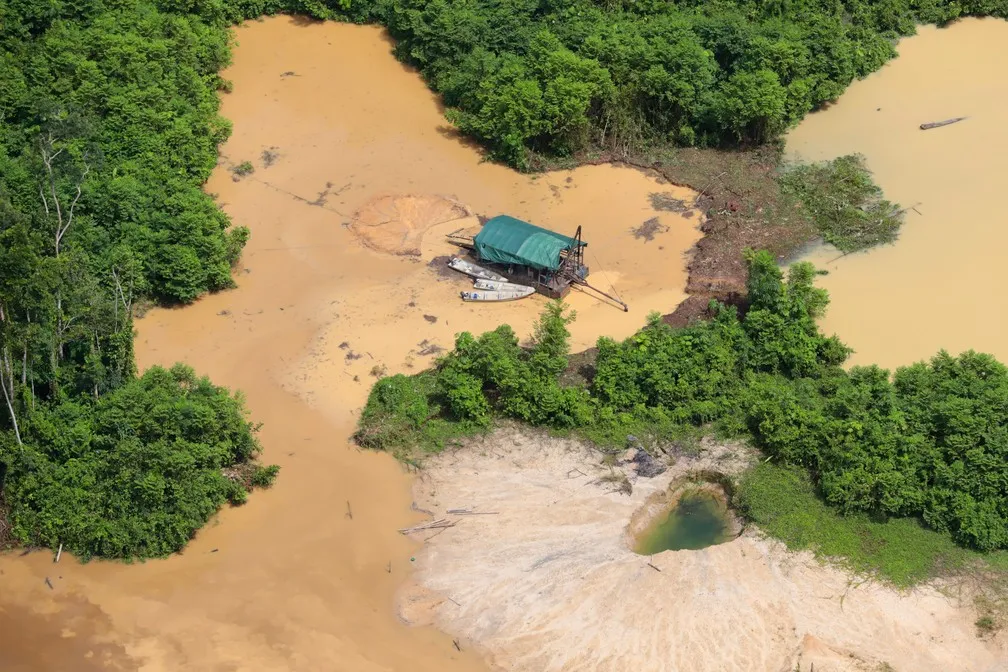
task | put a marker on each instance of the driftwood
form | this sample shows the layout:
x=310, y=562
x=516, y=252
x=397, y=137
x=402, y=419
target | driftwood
x=438, y=524
x=469, y=512
x=939, y=124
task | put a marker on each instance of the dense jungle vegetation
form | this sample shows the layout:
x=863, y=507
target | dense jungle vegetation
x=109, y=126
x=108, y=129
x=930, y=441
x=558, y=76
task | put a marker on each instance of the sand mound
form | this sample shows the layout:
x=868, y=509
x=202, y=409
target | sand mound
x=396, y=224
x=549, y=583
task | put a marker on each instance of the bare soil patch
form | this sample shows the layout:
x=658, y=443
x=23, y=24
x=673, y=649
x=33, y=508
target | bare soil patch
x=396, y=224
x=543, y=577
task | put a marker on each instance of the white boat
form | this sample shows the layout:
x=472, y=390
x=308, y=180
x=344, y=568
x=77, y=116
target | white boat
x=497, y=295
x=478, y=272
x=498, y=286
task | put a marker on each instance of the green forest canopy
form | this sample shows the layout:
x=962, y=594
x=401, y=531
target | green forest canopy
x=109, y=127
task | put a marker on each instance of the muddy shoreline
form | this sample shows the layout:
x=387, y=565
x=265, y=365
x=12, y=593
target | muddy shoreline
x=740, y=206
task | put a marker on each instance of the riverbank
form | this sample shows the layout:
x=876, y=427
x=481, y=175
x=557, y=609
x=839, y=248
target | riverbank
x=743, y=206
x=548, y=581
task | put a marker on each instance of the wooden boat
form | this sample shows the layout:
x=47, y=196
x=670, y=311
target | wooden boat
x=497, y=295
x=939, y=124
x=494, y=285
x=478, y=272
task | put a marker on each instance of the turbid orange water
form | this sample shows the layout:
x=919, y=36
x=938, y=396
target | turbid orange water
x=942, y=284
x=303, y=577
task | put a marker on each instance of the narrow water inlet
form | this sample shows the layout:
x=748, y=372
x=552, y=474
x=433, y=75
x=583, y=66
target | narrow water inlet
x=698, y=518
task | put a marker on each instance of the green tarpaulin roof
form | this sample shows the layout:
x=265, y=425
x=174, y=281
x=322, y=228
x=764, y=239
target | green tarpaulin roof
x=506, y=240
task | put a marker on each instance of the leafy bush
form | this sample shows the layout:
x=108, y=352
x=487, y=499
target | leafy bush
x=264, y=476
x=930, y=443
x=135, y=473
x=243, y=169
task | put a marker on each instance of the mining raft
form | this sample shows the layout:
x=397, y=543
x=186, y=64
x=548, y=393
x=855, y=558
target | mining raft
x=530, y=255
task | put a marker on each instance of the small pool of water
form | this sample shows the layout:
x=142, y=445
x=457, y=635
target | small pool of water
x=698, y=520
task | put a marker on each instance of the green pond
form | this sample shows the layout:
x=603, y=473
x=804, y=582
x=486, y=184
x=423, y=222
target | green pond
x=698, y=520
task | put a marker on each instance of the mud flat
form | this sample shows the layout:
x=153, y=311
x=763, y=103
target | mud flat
x=303, y=577
x=938, y=286
x=548, y=580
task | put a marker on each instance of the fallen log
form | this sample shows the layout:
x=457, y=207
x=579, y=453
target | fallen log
x=939, y=124
x=469, y=512
x=432, y=525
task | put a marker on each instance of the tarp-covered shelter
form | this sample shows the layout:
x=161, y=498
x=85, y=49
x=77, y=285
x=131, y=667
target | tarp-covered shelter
x=506, y=240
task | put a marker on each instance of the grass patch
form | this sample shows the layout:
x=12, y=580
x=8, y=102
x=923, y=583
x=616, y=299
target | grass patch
x=846, y=206
x=784, y=503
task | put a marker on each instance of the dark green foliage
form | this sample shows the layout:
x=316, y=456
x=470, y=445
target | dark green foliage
x=109, y=129
x=559, y=76
x=128, y=95
x=133, y=474
x=404, y=414
x=523, y=384
x=846, y=206
x=929, y=444
x=264, y=476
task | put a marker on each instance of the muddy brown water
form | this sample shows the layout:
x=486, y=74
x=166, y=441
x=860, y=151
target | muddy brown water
x=943, y=283
x=304, y=576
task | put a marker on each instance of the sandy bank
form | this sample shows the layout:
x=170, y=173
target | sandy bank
x=549, y=583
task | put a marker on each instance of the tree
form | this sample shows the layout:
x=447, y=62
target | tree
x=551, y=341
x=752, y=106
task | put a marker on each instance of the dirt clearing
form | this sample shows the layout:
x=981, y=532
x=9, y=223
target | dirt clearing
x=548, y=581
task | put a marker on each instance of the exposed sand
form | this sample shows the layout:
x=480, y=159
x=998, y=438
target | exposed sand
x=397, y=224
x=550, y=582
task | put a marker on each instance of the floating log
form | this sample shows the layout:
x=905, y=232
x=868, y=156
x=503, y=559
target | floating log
x=939, y=124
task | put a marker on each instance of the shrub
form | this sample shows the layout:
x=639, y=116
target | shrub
x=928, y=443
